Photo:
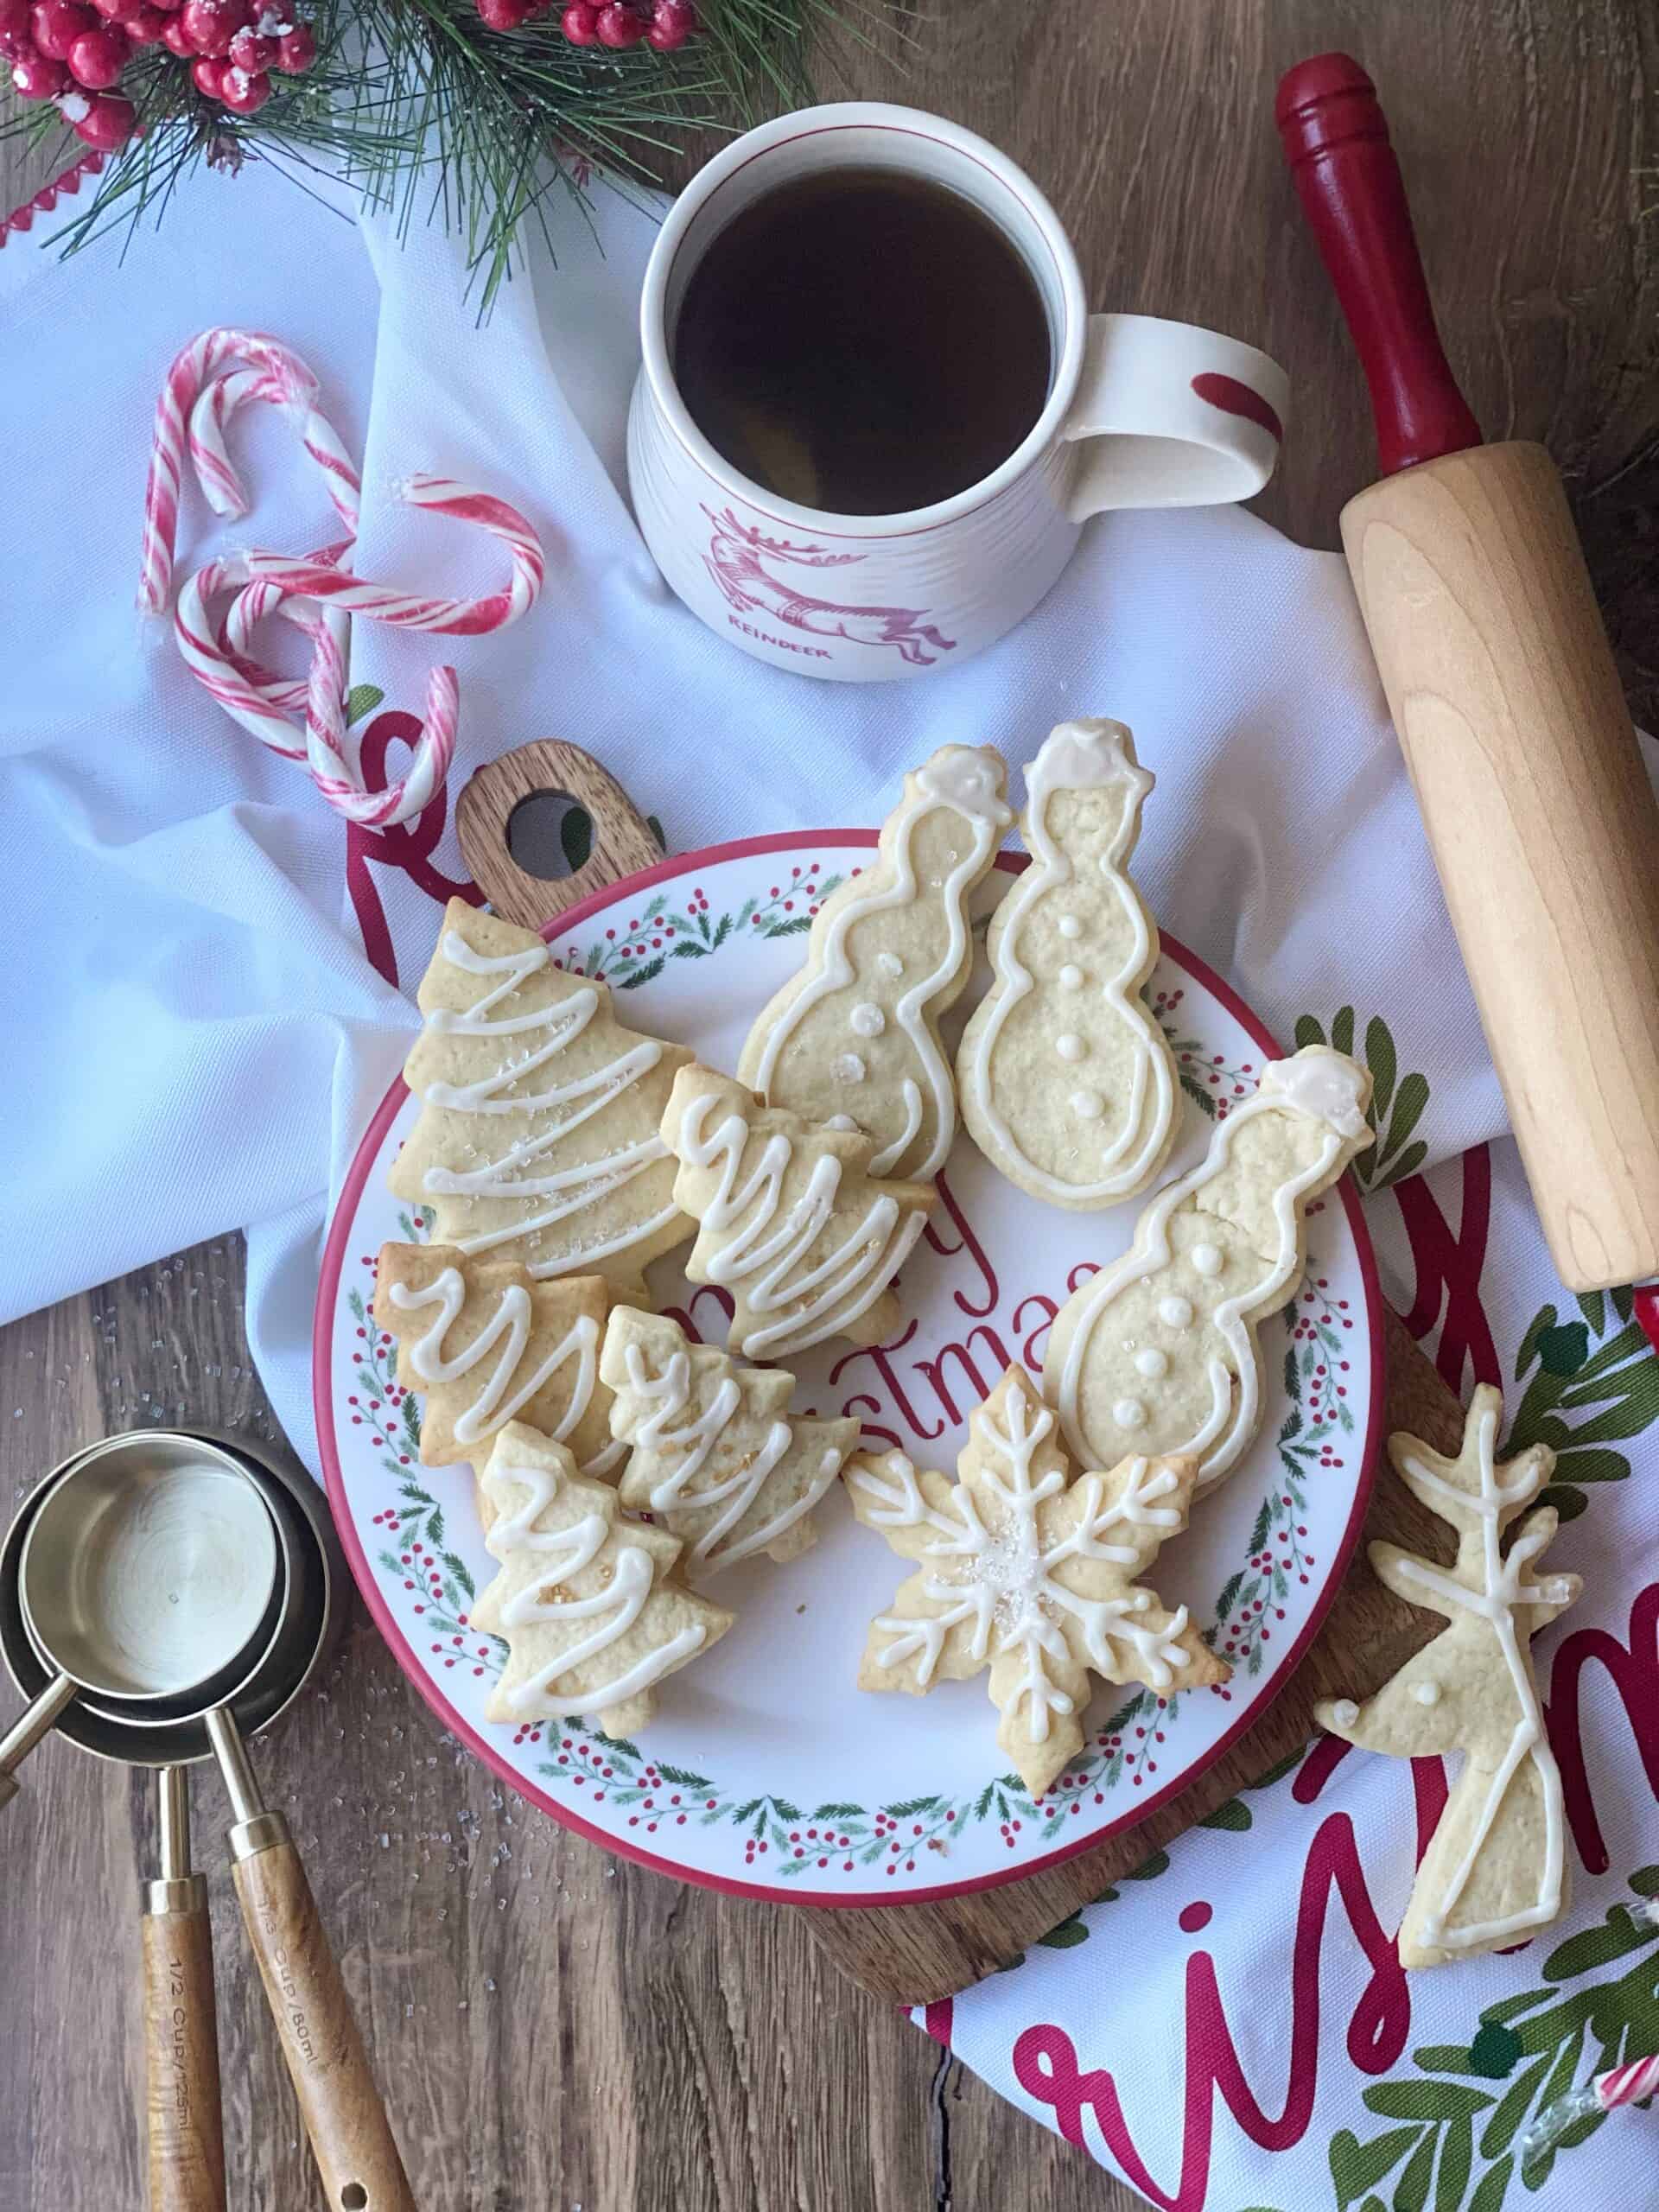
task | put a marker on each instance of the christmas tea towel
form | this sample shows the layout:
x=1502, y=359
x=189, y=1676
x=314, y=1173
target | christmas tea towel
x=215, y=991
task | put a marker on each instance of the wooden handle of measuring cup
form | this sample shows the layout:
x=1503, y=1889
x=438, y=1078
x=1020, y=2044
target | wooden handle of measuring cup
x=344, y=2117
x=182, y=2097
x=623, y=843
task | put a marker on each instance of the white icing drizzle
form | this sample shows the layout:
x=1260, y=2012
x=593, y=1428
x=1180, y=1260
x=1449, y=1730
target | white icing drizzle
x=1208, y=1260
x=1151, y=1363
x=847, y=1067
x=514, y=1173
x=613, y=1608
x=889, y=964
x=867, y=1020
x=1175, y=1313
x=1327, y=1086
x=1345, y=1712
x=1070, y=1047
x=1495, y=1603
x=491, y=1409
x=1011, y=1601
x=1227, y=1427
x=772, y=1269
x=1087, y=1105
x=1426, y=1692
x=1070, y=977
x=698, y=1438
x=964, y=779
x=843, y=1121
x=1074, y=757
x=1129, y=1412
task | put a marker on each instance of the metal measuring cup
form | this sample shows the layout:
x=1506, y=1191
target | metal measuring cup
x=345, y=2120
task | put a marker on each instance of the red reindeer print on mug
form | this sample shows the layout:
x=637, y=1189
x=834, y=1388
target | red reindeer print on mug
x=734, y=563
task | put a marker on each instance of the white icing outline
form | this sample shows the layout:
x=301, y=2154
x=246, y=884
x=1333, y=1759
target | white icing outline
x=857, y=1270
x=589, y=1182
x=1225, y=1430
x=1502, y=1591
x=621, y=1602
x=1077, y=756
x=962, y=778
x=512, y=1317
x=669, y=1388
x=1011, y=1589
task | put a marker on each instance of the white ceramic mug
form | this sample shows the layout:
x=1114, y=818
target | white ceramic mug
x=1139, y=413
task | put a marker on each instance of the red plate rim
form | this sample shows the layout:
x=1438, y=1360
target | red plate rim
x=334, y=1258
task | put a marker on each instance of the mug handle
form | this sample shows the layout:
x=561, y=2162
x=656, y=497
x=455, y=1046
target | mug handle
x=1175, y=417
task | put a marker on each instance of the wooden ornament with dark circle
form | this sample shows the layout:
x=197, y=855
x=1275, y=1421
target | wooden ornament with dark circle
x=548, y=770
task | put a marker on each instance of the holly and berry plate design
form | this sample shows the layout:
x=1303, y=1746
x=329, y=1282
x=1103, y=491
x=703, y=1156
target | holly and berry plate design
x=766, y=1770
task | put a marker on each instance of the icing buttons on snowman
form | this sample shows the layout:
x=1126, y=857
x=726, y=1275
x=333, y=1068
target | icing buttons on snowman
x=1214, y=1252
x=890, y=951
x=1084, y=792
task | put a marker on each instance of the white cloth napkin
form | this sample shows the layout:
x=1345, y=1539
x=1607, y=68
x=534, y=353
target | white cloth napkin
x=194, y=1035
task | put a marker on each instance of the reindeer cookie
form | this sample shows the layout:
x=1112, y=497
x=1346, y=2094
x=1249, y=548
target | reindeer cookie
x=484, y=1344
x=590, y=1623
x=1496, y=1867
x=713, y=1449
x=1157, y=1352
x=537, y=1138
x=789, y=1218
x=1067, y=1083
x=1019, y=1565
x=854, y=1037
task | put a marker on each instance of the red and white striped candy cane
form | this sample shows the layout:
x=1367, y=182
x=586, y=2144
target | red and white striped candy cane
x=195, y=366
x=210, y=381
x=283, y=380
x=453, y=617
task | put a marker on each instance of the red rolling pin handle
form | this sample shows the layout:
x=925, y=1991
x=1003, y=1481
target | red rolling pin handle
x=1335, y=140
x=1647, y=1311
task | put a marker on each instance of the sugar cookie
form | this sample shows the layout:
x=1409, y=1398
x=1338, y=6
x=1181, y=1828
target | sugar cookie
x=1214, y=1252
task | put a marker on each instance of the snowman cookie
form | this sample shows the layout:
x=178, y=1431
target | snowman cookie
x=1067, y=1084
x=853, y=1040
x=1157, y=1352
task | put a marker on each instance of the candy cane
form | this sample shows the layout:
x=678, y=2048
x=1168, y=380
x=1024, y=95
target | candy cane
x=282, y=381
x=1630, y=2084
x=194, y=367
x=453, y=617
x=210, y=381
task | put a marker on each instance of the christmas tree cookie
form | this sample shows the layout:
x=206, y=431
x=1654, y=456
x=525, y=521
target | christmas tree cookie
x=713, y=1451
x=789, y=1218
x=1067, y=1083
x=590, y=1624
x=1496, y=1867
x=483, y=1344
x=1157, y=1352
x=1021, y=1565
x=537, y=1138
x=854, y=1037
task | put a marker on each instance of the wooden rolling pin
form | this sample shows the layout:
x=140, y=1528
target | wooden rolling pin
x=1502, y=689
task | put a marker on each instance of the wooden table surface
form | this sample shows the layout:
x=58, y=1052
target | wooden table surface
x=557, y=2031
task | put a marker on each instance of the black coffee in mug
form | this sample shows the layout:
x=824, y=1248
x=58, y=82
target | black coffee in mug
x=862, y=341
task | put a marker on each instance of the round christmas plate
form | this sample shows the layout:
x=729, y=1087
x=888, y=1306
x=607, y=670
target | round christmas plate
x=765, y=1770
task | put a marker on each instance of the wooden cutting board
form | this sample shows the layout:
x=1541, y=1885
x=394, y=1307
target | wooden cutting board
x=916, y=1954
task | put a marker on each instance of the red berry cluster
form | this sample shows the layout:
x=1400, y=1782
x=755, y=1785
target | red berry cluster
x=63, y=51
x=233, y=45
x=664, y=24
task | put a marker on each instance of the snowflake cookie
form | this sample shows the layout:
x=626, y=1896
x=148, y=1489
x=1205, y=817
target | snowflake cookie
x=790, y=1219
x=1496, y=1867
x=537, y=1137
x=590, y=1624
x=854, y=1037
x=713, y=1451
x=1021, y=1565
x=1068, y=1086
x=483, y=1344
x=1159, y=1351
